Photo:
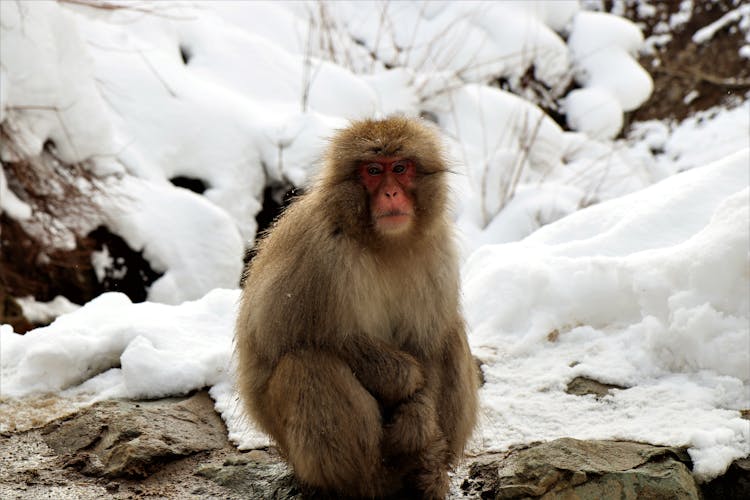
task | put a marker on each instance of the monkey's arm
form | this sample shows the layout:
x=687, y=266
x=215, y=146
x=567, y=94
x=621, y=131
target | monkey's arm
x=389, y=374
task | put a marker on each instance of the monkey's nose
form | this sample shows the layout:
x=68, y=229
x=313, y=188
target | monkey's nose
x=391, y=194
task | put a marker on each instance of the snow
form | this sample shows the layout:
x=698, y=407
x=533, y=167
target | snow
x=471, y=39
x=165, y=238
x=10, y=203
x=646, y=288
x=603, y=48
x=683, y=14
x=113, y=348
x=669, y=148
x=57, y=101
x=594, y=111
x=45, y=312
x=648, y=291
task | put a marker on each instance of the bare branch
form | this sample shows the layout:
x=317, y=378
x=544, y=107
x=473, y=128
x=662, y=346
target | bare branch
x=151, y=8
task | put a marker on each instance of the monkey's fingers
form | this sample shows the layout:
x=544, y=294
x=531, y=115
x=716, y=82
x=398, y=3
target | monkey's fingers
x=413, y=427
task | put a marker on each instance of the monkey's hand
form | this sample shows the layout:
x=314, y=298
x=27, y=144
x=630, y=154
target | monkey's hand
x=413, y=427
x=390, y=375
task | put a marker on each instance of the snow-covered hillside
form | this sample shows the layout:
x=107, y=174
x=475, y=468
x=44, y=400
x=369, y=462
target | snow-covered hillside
x=645, y=288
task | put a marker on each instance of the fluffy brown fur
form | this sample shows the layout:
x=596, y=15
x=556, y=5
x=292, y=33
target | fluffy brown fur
x=351, y=346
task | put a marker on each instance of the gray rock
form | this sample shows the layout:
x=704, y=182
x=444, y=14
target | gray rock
x=734, y=483
x=257, y=475
x=131, y=439
x=581, y=386
x=569, y=468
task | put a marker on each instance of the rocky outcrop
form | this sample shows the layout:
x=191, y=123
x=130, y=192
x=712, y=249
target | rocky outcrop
x=569, y=468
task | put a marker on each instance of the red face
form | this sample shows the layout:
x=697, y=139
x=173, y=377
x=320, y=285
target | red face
x=390, y=183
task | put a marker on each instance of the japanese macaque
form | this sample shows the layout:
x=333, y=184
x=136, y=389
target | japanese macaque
x=351, y=346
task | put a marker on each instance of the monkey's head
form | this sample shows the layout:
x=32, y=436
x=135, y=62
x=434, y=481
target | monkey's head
x=386, y=179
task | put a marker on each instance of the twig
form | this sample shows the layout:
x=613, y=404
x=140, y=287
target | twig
x=131, y=6
x=697, y=74
x=156, y=74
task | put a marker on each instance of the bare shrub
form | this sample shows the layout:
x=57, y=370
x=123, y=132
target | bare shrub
x=60, y=194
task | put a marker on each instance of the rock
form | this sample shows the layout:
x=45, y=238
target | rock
x=581, y=386
x=176, y=448
x=131, y=439
x=569, y=468
x=735, y=483
x=257, y=475
x=480, y=372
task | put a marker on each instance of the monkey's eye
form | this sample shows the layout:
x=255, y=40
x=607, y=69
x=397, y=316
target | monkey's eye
x=374, y=169
x=399, y=168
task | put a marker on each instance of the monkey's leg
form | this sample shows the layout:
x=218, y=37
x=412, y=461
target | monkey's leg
x=415, y=440
x=330, y=426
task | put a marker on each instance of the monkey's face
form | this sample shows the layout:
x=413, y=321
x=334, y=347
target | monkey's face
x=382, y=182
x=390, y=187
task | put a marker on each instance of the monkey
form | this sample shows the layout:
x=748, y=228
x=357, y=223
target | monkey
x=351, y=347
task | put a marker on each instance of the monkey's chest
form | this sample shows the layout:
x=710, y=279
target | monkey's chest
x=393, y=309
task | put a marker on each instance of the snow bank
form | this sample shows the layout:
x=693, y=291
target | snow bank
x=91, y=86
x=163, y=222
x=648, y=291
x=518, y=169
x=49, y=91
x=475, y=40
x=669, y=148
x=112, y=348
x=45, y=312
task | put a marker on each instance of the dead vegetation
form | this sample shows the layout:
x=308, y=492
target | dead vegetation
x=50, y=252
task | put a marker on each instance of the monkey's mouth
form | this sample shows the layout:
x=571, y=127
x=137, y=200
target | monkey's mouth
x=393, y=214
x=393, y=221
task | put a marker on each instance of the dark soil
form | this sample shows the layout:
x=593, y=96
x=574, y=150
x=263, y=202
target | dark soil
x=28, y=269
x=713, y=71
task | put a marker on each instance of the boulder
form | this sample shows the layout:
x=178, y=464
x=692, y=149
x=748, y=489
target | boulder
x=570, y=468
x=734, y=483
x=131, y=439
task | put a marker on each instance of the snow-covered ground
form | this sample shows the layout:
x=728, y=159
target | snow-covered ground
x=647, y=289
